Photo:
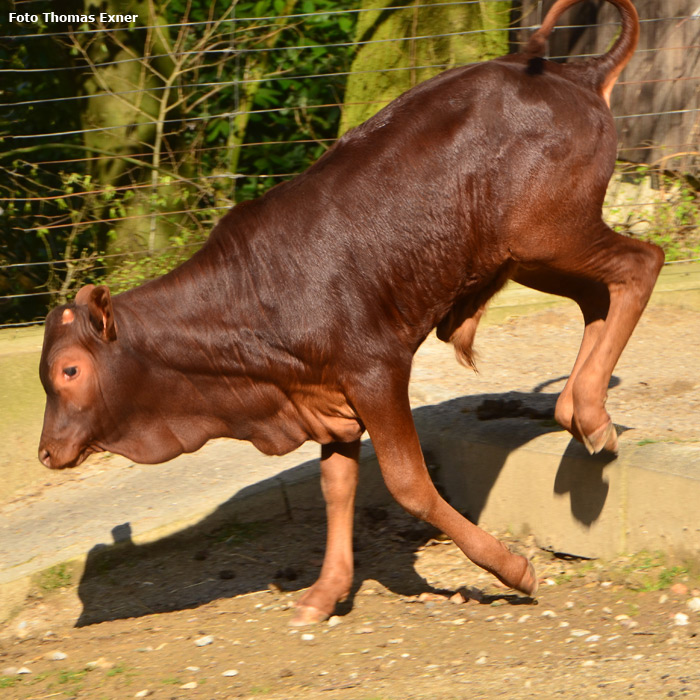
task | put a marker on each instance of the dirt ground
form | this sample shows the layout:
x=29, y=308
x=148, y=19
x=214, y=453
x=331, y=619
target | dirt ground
x=207, y=618
x=205, y=615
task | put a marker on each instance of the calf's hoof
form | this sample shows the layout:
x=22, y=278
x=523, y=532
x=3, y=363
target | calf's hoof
x=529, y=582
x=605, y=438
x=307, y=615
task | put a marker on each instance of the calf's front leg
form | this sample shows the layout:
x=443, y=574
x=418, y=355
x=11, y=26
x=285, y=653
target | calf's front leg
x=339, y=470
x=387, y=417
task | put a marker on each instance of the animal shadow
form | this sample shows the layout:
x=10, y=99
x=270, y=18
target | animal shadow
x=222, y=557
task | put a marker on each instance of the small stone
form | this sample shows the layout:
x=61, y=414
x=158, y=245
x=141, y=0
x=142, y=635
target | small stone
x=99, y=663
x=56, y=656
x=680, y=619
x=143, y=693
x=458, y=598
x=593, y=638
x=579, y=633
x=9, y=671
x=569, y=604
x=365, y=630
x=334, y=620
x=23, y=671
x=189, y=686
x=588, y=664
x=663, y=598
x=204, y=641
x=620, y=618
x=192, y=668
x=481, y=660
x=549, y=613
x=230, y=673
x=679, y=589
x=398, y=640
x=694, y=604
x=308, y=637
x=524, y=618
x=549, y=582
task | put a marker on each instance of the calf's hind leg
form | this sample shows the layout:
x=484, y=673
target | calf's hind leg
x=627, y=269
x=594, y=301
x=387, y=417
x=339, y=470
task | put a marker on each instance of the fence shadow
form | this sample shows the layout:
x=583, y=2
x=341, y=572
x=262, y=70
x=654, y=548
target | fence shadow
x=221, y=557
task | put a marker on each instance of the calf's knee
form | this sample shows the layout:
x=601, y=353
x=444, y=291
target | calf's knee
x=416, y=496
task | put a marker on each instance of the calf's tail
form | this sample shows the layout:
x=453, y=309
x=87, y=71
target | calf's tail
x=606, y=68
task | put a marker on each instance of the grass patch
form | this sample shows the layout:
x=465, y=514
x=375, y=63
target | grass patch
x=66, y=676
x=8, y=681
x=119, y=668
x=239, y=533
x=56, y=577
x=171, y=680
x=649, y=572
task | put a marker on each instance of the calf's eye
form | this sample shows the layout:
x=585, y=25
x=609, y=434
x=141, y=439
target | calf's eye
x=70, y=372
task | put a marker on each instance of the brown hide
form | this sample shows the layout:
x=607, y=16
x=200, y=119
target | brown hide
x=335, y=278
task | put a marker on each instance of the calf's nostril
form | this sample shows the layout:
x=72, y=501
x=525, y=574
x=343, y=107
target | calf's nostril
x=45, y=457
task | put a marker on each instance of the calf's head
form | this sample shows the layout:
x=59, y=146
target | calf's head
x=103, y=394
x=76, y=338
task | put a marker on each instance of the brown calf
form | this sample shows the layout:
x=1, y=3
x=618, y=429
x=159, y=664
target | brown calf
x=299, y=318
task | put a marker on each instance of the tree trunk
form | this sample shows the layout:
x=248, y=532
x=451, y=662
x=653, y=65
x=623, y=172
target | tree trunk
x=399, y=57
x=124, y=116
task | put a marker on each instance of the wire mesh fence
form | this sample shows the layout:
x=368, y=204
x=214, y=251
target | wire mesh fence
x=122, y=145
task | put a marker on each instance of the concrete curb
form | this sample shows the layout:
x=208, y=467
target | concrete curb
x=572, y=503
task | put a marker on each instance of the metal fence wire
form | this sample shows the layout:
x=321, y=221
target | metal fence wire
x=121, y=145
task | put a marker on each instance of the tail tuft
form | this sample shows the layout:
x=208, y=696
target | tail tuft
x=535, y=66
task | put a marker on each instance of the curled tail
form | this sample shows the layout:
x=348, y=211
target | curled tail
x=608, y=66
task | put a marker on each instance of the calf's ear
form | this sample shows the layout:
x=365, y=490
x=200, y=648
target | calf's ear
x=99, y=303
